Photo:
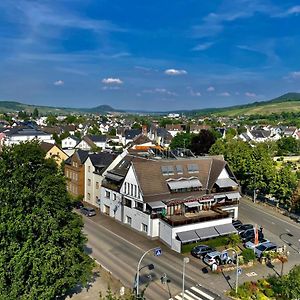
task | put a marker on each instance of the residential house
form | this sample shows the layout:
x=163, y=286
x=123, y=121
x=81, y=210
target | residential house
x=176, y=200
x=160, y=136
x=17, y=135
x=90, y=142
x=194, y=128
x=174, y=129
x=54, y=151
x=70, y=142
x=129, y=135
x=95, y=165
x=74, y=172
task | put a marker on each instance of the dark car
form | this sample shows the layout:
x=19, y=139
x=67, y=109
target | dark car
x=88, y=211
x=249, y=235
x=237, y=224
x=244, y=227
x=201, y=250
x=78, y=204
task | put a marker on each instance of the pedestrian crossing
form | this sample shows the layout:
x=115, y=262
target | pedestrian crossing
x=195, y=293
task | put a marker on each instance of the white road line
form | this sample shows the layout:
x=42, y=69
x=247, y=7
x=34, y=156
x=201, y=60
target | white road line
x=193, y=295
x=287, y=230
x=186, y=296
x=263, y=211
x=202, y=293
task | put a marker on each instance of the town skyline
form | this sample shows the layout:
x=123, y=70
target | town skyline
x=150, y=56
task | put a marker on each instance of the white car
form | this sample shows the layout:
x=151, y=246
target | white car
x=218, y=258
x=251, y=244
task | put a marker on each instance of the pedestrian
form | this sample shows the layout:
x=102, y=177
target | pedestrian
x=260, y=228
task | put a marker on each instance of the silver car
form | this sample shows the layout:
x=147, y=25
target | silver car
x=88, y=211
x=263, y=248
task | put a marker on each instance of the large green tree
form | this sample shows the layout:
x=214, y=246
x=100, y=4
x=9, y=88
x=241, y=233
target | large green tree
x=181, y=140
x=202, y=142
x=41, y=240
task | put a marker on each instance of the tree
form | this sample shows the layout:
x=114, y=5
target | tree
x=201, y=143
x=181, y=140
x=113, y=132
x=136, y=126
x=51, y=120
x=35, y=113
x=41, y=240
x=287, y=145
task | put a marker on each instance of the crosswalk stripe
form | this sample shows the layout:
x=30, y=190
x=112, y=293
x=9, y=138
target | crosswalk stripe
x=193, y=295
x=202, y=293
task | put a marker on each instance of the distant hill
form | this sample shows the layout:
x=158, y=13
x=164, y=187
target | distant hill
x=12, y=106
x=285, y=103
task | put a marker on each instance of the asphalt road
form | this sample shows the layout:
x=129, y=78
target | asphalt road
x=276, y=227
x=120, y=257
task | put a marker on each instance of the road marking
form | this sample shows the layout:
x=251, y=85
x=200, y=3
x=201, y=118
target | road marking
x=116, y=235
x=273, y=216
x=287, y=230
x=202, y=293
x=194, y=296
x=251, y=274
x=273, y=223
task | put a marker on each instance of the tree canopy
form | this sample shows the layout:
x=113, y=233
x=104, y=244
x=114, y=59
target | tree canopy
x=41, y=240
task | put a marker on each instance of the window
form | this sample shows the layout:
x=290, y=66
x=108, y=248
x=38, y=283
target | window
x=135, y=191
x=107, y=194
x=179, y=169
x=139, y=205
x=89, y=196
x=114, y=196
x=128, y=203
x=144, y=228
x=97, y=185
x=167, y=170
x=128, y=220
x=89, y=168
x=131, y=189
x=193, y=168
x=125, y=188
x=67, y=173
x=89, y=182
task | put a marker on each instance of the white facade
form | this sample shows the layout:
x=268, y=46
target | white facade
x=83, y=145
x=92, y=183
x=17, y=139
x=69, y=143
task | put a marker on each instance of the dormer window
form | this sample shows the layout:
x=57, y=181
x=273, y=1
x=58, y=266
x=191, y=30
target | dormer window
x=193, y=168
x=167, y=170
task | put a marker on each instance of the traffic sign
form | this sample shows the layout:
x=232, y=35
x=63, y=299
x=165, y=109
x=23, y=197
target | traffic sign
x=157, y=252
x=239, y=271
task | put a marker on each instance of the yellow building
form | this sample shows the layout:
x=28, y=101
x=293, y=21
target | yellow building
x=52, y=150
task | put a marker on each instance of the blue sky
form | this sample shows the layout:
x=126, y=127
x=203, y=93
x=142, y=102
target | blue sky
x=151, y=55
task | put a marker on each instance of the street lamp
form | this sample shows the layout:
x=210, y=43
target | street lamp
x=237, y=269
x=186, y=260
x=157, y=252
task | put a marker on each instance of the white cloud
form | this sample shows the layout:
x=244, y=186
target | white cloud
x=160, y=91
x=294, y=75
x=224, y=94
x=294, y=10
x=110, y=88
x=111, y=80
x=59, y=82
x=174, y=72
x=250, y=94
x=202, y=47
x=193, y=93
x=210, y=89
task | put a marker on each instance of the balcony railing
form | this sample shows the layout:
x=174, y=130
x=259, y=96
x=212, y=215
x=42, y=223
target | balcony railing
x=226, y=203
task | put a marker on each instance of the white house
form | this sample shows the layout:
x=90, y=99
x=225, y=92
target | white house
x=175, y=200
x=89, y=142
x=18, y=135
x=94, y=166
x=69, y=142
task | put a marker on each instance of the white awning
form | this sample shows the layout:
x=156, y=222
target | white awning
x=156, y=204
x=206, y=233
x=192, y=204
x=235, y=195
x=219, y=196
x=226, y=182
x=184, y=184
x=226, y=229
x=188, y=236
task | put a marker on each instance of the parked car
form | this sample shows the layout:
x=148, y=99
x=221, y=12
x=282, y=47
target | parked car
x=249, y=235
x=251, y=244
x=263, y=248
x=88, y=211
x=294, y=217
x=201, y=250
x=218, y=258
x=237, y=224
x=244, y=227
x=78, y=204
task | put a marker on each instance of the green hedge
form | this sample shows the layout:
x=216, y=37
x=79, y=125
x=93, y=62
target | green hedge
x=216, y=242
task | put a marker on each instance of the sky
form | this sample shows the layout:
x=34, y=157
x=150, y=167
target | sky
x=148, y=55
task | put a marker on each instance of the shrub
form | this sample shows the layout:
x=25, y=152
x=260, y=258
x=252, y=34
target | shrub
x=216, y=242
x=248, y=255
